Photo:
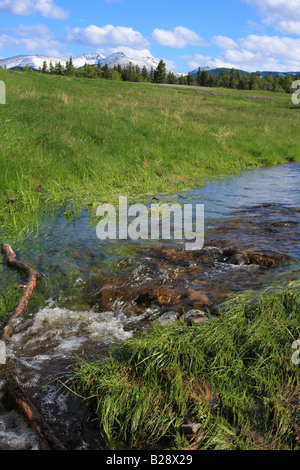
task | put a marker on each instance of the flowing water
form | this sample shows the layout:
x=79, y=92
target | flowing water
x=93, y=294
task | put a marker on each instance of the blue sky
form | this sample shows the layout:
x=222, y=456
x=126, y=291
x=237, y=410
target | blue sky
x=247, y=34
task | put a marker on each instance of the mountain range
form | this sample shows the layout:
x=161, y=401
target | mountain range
x=36, y=61
x=217, y=72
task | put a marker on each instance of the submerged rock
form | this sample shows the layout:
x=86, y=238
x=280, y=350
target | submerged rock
x=196, y=317
x=199, y=299
x=261, y=259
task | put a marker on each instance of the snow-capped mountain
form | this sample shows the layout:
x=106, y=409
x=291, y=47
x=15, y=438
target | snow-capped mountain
x=36, y=61
x=203, y=69
x=123, y=59
x=91, y=58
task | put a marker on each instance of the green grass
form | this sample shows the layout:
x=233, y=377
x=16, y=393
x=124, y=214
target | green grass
x=233, y=375
x=80, y=141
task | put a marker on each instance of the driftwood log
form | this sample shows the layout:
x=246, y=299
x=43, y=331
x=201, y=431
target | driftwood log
x=15, y=395
x=12, y=261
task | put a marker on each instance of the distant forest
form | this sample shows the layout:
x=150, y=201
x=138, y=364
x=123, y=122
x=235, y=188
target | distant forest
x=133, y=73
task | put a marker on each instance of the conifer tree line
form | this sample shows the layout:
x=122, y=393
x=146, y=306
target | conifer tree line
x=133, y=73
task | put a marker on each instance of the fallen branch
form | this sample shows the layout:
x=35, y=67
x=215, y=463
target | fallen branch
x=15, y=396
x=12, y=261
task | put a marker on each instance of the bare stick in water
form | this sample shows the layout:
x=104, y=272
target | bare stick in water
x=15, y=395
x=12, y=261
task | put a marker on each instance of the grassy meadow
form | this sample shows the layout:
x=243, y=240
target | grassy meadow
x=82, y=141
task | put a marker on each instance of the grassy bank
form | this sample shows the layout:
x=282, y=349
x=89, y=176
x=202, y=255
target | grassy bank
x=234, y=376
x=87, y=141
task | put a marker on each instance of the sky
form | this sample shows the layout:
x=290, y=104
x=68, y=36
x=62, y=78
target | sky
x=245, y=34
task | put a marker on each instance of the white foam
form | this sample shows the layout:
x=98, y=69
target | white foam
x=53, y=331
x=15, y=434
x=168, y=317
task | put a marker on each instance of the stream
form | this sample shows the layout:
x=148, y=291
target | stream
x=92, y=294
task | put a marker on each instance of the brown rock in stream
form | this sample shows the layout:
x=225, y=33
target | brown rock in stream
x=199, y=299
x=162, y=296
x=258, y=258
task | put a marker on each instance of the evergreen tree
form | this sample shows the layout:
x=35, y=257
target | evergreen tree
x=254, y=82
x=45, y=67
x=204, y=78
x=145, y=73
x=138, y=74
x=182, y=80
x=233, y=79
x=287, y=83
x=211, y=80
x=70, y=69
x=58, y=69
x=89, y=71
x=99, y=70
x=190, y=79
x=106, y=73
x=171, y=78
x=223, y=79
x=160, y=74
x=151, y=76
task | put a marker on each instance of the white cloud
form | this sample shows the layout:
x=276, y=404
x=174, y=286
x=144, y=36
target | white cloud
x=36, y=30
x=57, y=54
x=30, y=44
x=179, y=38
x=282, y=49
x=33, y=38
x=284, y=15
x=46, y=8
x=224, y=42
x=199, y=60
x=288, y=27
x=288, y=9
x=252, y=53
x=107, y=36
